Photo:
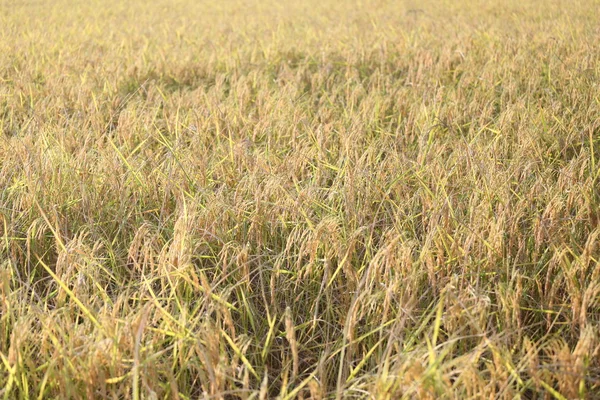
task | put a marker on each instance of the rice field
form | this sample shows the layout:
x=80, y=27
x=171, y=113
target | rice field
x=368, y=199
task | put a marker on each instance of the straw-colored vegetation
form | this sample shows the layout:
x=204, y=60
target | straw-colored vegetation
x=309, y=199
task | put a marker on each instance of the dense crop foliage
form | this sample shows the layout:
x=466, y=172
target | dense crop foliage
x=313, y=199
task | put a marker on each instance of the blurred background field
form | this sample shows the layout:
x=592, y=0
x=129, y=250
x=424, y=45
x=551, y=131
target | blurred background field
x=316, y=199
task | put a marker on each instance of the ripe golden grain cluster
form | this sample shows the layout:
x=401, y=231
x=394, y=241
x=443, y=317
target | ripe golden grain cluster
x=315, y=199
